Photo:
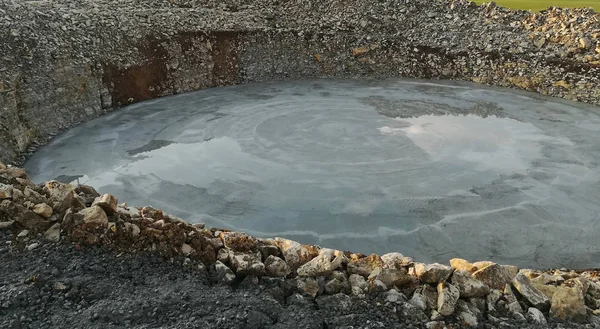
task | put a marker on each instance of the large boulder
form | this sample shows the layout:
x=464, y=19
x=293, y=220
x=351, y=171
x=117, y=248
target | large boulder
x=581, y=282
x=296, y=254
x=33, y=196
x=419, y=301
x=62, y=196
x=11, y=211
x=431, y=295
x=318, y=266
x=537, y=316
x=460, y=264
x=533, y=296
x=223, y=255
x=495, y=276
x=14, y=172
x=364, y=266
x=568, y=304
x=475, y=305
x=469, y=286
x=43, y=210
x=247, y=263
x=268, y=247
x=492, y=298
x=224, y=273
x=357, y=283
x=392, y=277
x=593, y=295
x=338, y=261
x=337, y=258
x=128, y=211
x=337, y=285
x=447, y=298
x=277, y=267
x=86, y=190
x=94, y=218
x=6, y=191
x=468, y=320
x=394, y=296
x=53, y=233
x=482, y=264
x=512, y=303
x=308, y=287
x=107, y=202
x=239, y=241
x=376, y=286
x=395, y=260
x=547, y=290
x=543, y=278
x=432, y=273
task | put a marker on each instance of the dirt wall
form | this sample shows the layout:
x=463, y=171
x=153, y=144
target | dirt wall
x=67, y=62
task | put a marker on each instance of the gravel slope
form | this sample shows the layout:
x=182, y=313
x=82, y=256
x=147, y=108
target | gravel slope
x=58, y=286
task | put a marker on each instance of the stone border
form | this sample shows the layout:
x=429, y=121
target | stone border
x=462, y=292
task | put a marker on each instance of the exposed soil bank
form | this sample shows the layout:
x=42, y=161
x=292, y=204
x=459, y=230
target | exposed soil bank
x=65, y=62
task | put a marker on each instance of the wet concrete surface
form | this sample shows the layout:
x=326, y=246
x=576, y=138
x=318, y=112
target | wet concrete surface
x=434, y=170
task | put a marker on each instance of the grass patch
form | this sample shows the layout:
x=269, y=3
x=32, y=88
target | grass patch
x=537, y=5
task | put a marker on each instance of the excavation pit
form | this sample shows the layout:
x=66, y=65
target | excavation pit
x=435, y=170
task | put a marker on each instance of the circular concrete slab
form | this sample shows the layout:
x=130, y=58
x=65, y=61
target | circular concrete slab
x=432, y=170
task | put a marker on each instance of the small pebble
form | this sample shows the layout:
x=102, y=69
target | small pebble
x=33, y=246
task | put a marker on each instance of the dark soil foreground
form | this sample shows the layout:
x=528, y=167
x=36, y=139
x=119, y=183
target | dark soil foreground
x=59, y=286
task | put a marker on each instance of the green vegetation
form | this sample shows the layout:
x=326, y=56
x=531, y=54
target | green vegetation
x=537, y=5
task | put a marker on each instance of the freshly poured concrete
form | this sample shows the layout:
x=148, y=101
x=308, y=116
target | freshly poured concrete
x=432, y=170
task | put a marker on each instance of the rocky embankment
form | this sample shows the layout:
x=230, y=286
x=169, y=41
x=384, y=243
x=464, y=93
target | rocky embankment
x=65, y=62
x=461, y=294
